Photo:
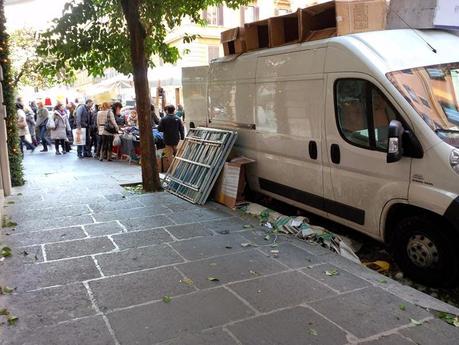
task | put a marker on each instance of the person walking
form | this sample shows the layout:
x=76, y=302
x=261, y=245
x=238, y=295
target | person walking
x=180, y=112
x=83, y=118
x=173, y=130
x=119, y=118
x=94, y=131
x=107, y=129
x=42, y=121
x=23, y=129
x=62, y=125
x=31, y=123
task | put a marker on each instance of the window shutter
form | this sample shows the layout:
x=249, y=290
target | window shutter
x=242, y=13
x=220, y=16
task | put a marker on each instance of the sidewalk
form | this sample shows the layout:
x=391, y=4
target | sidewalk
x=93, y=264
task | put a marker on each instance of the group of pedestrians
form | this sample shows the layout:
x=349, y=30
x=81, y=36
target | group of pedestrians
x=93, y=125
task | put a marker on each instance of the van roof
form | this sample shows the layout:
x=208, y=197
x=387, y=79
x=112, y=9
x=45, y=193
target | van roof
x=392, y=50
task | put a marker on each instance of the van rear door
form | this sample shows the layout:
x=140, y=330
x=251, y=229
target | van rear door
x=358, y=181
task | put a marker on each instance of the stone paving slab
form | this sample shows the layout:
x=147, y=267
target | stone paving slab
x=74, y=248
x=91, y=331
x=49, y=306
x=213, y=337
x=346, y=281
x=200, y=248
x=52, y=223
x=122, y=214
x=195, y=216
x=263, y=293
x=161, y=321
x=292, y=256
x=101, y=229
x=433, y=332
x=393, y=339
x=230, y=268
x=124, y=204
x=40, y=237
x=137, y=259
x=35, y=276
x=377, y=311
x=297, y=326
x=189, y=231
x=146, y=223
x=142, y=238
x=137, y=288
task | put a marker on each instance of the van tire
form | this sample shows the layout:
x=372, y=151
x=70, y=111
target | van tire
x=425, y=250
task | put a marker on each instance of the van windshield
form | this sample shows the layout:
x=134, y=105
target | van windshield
x=433, y=91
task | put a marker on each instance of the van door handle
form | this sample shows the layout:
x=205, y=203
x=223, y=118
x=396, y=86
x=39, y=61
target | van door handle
x=313, y=150
x=335, y=154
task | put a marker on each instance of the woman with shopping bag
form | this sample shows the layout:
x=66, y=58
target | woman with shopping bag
x=107, y=129
x=61, y=126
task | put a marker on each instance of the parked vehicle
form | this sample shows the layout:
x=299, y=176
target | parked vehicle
x=361, y=129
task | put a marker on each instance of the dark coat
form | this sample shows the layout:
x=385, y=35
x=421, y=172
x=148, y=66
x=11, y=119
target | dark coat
x=173, y=130
x=83, y=116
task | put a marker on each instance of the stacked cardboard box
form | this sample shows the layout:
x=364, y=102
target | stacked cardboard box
x=333, y=18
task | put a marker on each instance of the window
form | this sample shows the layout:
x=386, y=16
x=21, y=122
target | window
x=213, y=52
x=214, y=15
x=249, y=14
x=363, y=114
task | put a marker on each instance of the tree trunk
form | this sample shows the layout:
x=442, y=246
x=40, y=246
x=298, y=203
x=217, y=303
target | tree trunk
x=150, y=174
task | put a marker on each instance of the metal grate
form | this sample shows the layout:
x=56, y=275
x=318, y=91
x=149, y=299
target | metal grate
x=198, y=163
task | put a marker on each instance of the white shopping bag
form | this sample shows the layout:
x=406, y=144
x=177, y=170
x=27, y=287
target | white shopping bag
x=79, y=137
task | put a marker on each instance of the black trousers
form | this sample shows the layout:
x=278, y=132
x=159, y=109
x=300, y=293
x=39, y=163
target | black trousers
x=107, y=147
x=23, y=141
x=58, y=142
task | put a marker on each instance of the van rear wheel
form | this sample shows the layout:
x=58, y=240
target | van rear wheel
x=425, y=250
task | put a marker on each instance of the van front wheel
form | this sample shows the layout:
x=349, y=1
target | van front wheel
x=425, y=251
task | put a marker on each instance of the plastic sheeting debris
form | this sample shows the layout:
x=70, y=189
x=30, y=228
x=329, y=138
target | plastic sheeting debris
x=300, y=228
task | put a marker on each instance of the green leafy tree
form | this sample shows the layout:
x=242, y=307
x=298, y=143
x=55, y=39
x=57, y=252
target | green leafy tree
x=94, y=35
x=14, y=154
x=25, y=62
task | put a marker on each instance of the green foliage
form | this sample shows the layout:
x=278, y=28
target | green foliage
x=15, y=157
x=25, y=62
x=92, y=35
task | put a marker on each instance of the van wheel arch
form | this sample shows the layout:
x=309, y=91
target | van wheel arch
x=400, y=211
x=422, y=244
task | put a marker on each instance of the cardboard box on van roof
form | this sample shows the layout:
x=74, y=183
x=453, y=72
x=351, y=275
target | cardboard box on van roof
x=423, y=14
x=233, y=41
x=284, y=29
x=344, y=16
x=257, y=34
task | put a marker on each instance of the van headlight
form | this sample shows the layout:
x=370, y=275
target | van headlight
x=454, y=160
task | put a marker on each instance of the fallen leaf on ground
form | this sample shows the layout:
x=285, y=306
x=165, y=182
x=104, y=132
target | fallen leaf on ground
x=12, y=320
x=255, y=273
x=5, y=290
x=382, y=281
x=451, y=319
x=267, y=237
x=10, y=202
x=312, y=331
x=416, y=322
x=187, y=281
x=167, y=299
x=248, y=226
x=331, y=273
x=213, y=264
x=4, y=311
x=213, y=279
x=228, y=247
x=5, y=252
x=402, y=307
x=247, y=244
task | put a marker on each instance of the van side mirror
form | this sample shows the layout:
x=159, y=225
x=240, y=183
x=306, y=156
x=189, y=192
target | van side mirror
x=395, y=146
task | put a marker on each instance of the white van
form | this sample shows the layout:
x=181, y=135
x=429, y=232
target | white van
x=361, y=129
